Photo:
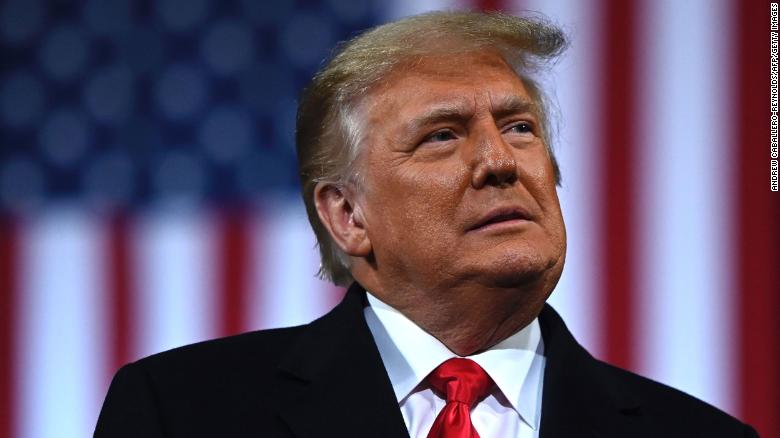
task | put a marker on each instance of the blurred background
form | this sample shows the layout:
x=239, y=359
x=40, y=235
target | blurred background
x=149, y=197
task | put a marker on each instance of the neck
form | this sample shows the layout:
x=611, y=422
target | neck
x=467, y=318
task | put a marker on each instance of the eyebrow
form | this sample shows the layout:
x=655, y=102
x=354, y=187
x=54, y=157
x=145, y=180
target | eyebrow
x=440, y=113
x=461, y=112
x=513, y=105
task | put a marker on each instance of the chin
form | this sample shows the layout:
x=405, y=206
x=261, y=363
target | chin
x=521, y=268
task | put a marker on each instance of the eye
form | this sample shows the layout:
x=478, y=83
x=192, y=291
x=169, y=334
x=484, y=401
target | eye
x=440, y=136
x=522, y=128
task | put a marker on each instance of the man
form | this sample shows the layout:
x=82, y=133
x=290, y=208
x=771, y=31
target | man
x=429, y=180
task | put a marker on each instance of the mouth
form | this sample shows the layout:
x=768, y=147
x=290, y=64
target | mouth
x=501, y=216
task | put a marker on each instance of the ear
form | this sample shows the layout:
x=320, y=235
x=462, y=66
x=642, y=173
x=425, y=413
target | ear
x=343, y=218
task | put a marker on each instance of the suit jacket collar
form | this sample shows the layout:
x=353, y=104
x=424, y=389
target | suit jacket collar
x=582, y=396
x=332, y=383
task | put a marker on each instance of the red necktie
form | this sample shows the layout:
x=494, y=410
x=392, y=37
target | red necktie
x=464, y=383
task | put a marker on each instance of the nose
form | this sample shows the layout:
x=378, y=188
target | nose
x=493, y=162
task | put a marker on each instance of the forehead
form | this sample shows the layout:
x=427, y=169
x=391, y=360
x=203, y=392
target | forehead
x=450, y=77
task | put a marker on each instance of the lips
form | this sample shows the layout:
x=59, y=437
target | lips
x=500, y=215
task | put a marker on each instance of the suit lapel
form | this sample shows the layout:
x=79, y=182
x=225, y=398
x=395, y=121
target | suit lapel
x=333, y=382
x=581, y=396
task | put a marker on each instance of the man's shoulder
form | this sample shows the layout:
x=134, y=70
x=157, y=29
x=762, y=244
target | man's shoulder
x=651, y=393
x=247, y=384
x=212, y=388
x=585, y=389
x=225, y=367
x=672, y=411
x=257, y=351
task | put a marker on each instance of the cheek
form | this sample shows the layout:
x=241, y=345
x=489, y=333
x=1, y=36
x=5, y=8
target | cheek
x=539, y=178
x=540, y=182
x=424, y=200
x=433, y=189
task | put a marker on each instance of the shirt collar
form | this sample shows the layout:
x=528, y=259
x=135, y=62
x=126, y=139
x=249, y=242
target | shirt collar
x=409, y=354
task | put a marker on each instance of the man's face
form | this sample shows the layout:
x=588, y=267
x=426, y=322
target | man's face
x=459, y=186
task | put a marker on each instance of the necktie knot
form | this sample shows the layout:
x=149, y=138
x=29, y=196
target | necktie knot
x=461, y=380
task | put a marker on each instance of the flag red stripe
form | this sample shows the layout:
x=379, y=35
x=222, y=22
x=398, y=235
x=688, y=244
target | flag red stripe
x=618, y=181
x=234, y=258
x=120, y=289
x=490, y=5
x=8, y=284
x=756, y=225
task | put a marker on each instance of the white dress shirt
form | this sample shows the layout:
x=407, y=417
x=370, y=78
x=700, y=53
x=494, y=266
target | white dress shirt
x=516, y=364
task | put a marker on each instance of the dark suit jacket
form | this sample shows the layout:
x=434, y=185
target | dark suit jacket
x=327, y=379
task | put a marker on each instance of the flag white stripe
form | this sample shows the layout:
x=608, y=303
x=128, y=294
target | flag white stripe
x=285, y=289
x=174, y=255
x=62, y=325
x=687, y=325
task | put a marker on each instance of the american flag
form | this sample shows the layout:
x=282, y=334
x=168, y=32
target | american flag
x=149, y=200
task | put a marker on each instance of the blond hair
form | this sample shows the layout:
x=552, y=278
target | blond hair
x=329, y=129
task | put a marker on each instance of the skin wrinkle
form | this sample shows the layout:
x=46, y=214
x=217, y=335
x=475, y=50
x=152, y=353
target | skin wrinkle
x=413, y=247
